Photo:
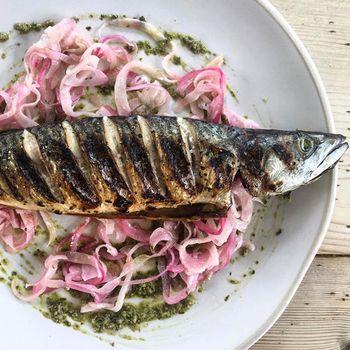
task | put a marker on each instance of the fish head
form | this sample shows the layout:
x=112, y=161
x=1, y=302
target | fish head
x=276, y=162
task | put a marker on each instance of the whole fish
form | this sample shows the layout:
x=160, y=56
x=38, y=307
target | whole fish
x=154, y=167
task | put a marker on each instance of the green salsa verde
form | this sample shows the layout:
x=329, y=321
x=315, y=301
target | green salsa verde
x=131, y=315
x=178, y=61
x=163, y=47
x=24, y=28
x=195, y=46
x=171, y=88
x=4, y=36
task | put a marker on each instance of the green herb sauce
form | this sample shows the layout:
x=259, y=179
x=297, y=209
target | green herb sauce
x=188, y=41
x=24, y=28
x=231, y=92
x=251, y=272
x=39, y=253
x=15, y=274
x=178, y=61
x=244, y=251
x=233, y=281
x=15, y=78
x=105, y=90
x=171, y=88
x=278, y=232
x=110, y=16
x=131, y=315
x=40, y=231
x=146, y=290
x=27, y=263
x=4, y=37
x=82, y=297
x=78, y=107
x=161, y=47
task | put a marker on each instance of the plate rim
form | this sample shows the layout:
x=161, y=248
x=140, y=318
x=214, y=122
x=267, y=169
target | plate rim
x=270, y=9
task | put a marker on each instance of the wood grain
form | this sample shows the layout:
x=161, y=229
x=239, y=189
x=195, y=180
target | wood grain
x=318, y=318
x=324, y=28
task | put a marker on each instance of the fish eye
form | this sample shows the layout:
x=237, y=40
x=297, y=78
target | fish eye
x=306, y=144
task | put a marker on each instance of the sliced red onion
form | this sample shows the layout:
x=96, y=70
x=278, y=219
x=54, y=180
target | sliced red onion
x=172, y=297
x=19, y=100
x=166, y=63
x=134, y=23
x=17, y=228
x=108, y=230
x=204, y=255
x=248, y=244
x=203, y=90
x=85, y=73
x=65, y=37
x=242, y=198
x=238, y=121
x=218, y=61
x=51, y=266
x=135, y=233
x=50, y=225
x=76, y=234
x=120, y=87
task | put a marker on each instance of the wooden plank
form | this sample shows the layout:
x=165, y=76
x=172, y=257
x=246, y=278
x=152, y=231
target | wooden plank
x=318, y=318
x=324, y=28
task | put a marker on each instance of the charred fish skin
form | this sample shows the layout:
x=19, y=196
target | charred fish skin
x=100, y=166
x=198, y=166
x=154, y=167
x=64, y=170
x=21, y=178
x=175, y=167
x=145, y=183
x=217, y=145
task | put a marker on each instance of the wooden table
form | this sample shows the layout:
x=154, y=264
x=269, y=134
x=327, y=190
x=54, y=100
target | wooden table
x=319, y=315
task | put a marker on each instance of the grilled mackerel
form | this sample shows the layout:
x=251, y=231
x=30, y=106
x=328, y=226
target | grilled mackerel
x=154, y=167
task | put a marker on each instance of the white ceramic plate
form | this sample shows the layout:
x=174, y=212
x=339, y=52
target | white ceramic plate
x=269, y=62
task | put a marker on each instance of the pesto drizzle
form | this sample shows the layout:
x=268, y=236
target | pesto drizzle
x=195, y=46
x=24, y=28
x=131, y=315
x=162, y=47
x=4, y=36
